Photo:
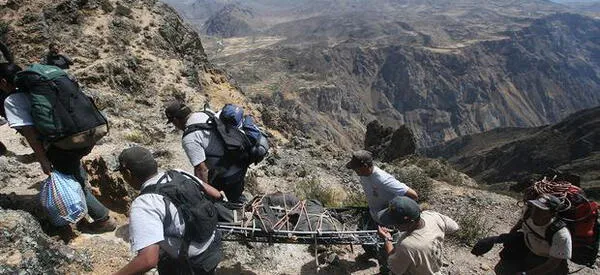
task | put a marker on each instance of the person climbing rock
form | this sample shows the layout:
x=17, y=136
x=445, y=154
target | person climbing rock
x=55, y=58
x=156, y=228
x=17, y=111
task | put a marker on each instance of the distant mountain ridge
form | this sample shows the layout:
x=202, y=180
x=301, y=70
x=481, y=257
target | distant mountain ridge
x=537, y=76
x=506, y=154
x=443, y=68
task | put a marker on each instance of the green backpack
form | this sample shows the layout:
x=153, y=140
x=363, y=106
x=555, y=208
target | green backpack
x=63, y=115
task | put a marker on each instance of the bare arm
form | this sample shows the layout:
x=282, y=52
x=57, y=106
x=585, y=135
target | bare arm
x=201, y=171
x=146, y=259
x=412, y=194
x=385, y=233
x=31, y=134
x=211, y=191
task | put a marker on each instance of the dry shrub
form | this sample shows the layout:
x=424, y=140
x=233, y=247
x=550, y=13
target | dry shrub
x=330, y=195
x=473, y=227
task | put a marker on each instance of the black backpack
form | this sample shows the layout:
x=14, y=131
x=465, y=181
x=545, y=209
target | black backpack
x=63, y=115
x=198, y=211
x=236, y=144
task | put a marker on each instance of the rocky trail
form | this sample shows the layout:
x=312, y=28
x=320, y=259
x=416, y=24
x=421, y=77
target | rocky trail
x=285, y=170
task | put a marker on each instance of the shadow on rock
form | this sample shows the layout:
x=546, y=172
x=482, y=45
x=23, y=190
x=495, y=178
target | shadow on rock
x=108, y=187
x=31, y=204
x=330, y=263
x=234, y=270
x=123, y=232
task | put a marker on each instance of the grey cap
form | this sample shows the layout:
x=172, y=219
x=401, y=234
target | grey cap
x=138, y=160
x=359, y=159
x=176, y=109
x=546, y=202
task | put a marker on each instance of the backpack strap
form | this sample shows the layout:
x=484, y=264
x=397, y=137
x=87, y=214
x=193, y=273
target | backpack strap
x=208, y=125
x=554, y=227
x=154, y=188
x=197, y=127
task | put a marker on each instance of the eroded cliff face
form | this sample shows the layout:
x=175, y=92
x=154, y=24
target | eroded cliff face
x=531, y=77
x=518, y=154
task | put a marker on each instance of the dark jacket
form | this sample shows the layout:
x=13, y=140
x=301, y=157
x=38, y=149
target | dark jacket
x=59, y=60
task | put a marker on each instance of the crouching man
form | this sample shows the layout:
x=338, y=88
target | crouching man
x=539, y=243
x=158, y=231
x=420, y=247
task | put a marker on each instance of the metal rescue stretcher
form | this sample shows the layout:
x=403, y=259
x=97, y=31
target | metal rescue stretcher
x=298, y=224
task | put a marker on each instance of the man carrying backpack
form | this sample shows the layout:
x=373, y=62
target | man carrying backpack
x=55, y=58
x=539, y=243
x=19, y=112
x=158, y=228
x=215, y=145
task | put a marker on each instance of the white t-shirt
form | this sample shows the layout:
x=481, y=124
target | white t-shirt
x=380, y=188
x=420, y=251
x=202, y=144
x=146, y=224
x=561, y=241
x=18, y=110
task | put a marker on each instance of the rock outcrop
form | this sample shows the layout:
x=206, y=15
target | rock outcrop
x=387, y=143
x=111, y=189
x=230, y=21
x=25, y=249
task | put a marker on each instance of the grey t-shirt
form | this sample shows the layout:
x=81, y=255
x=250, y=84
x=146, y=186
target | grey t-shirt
x=380, y=188
x=205, y=146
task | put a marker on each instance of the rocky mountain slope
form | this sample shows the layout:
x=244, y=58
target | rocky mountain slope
x=444, y=68
x=132, y=57
x=515, y=154
x=535, y=76
x=230, y=21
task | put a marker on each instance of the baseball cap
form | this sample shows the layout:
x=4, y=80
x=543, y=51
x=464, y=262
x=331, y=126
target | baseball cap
x=546, y=202
x=176, y=109
x=401, y=210
x=138, y=160
x=360, y=158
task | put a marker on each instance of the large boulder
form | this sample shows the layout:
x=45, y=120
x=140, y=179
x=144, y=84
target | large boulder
x=109, y=187
x=26, y=249
x=389, y=144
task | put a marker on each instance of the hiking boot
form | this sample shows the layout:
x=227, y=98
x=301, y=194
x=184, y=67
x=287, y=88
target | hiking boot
x=2, y=149
x=98, y=227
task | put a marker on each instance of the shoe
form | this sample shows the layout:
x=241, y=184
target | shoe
x=2, y=149
x=98, y=227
